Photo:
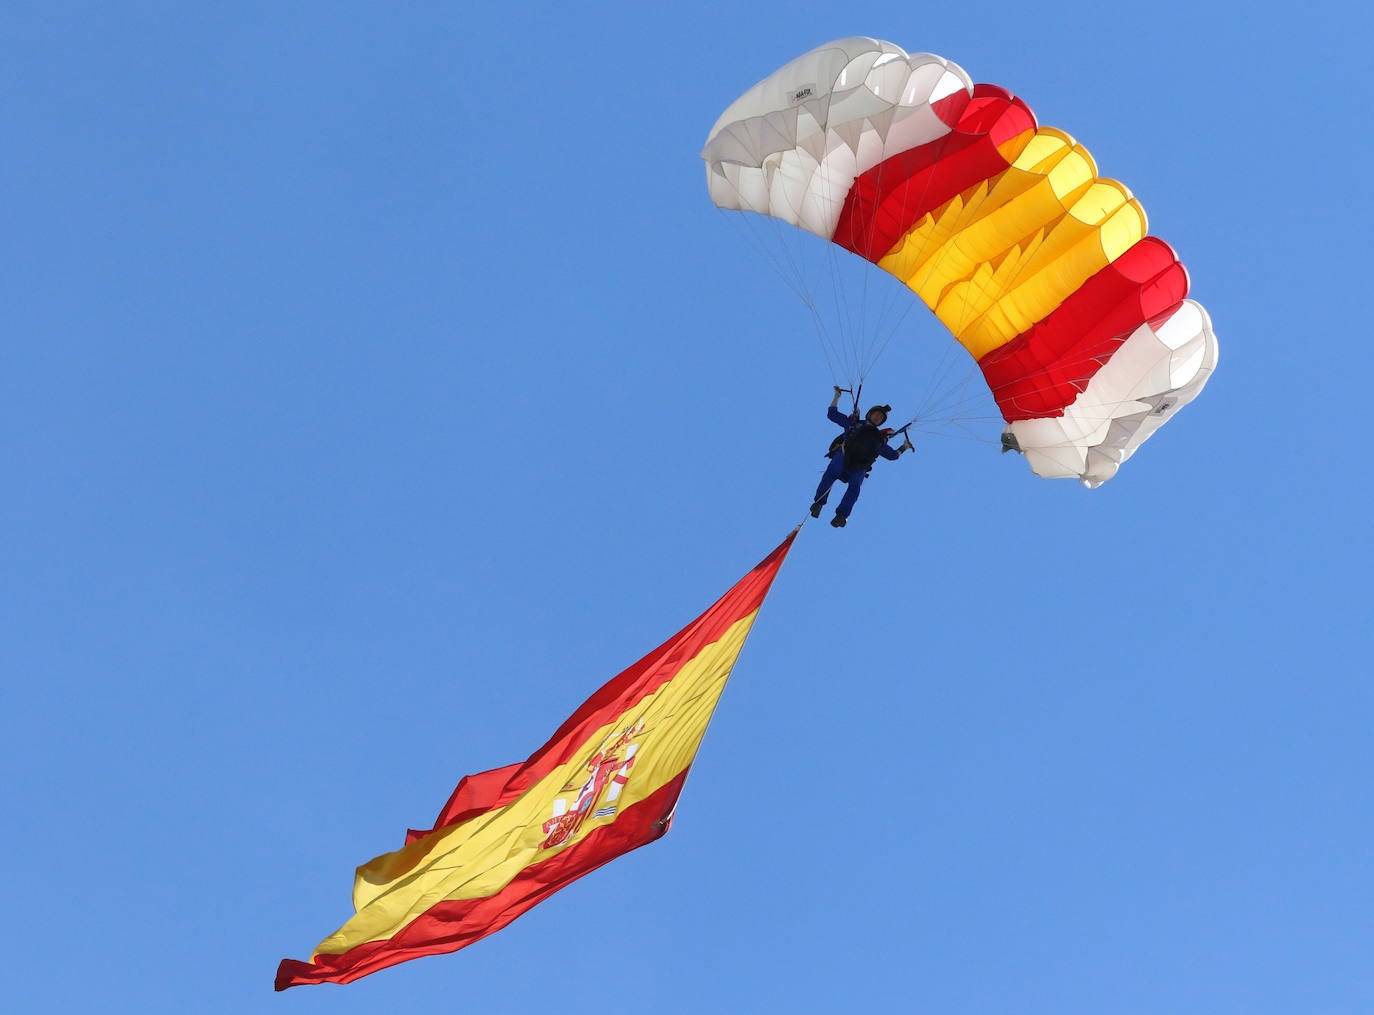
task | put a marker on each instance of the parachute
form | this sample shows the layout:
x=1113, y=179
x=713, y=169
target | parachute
x=1041, y=269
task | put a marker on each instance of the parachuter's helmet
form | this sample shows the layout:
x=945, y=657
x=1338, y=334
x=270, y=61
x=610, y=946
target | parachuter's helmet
x=883, y=410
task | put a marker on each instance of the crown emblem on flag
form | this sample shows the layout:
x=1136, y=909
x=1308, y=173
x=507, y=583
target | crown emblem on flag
x=608, y=772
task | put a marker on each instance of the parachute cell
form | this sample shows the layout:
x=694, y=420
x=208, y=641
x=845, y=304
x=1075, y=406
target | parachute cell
x=1039, y=267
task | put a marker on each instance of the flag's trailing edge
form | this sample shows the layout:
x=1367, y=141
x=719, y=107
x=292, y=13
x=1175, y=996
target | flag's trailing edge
x=604, y=784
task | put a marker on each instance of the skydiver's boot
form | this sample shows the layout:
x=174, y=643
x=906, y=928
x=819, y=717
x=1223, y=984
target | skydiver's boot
x=838, y=521
x=816, y=508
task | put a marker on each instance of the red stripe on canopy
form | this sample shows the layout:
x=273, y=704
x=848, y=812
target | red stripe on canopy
x=1040, y=372
x=886, y=201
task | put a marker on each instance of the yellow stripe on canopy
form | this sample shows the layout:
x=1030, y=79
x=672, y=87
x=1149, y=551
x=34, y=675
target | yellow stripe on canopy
x=999, y=257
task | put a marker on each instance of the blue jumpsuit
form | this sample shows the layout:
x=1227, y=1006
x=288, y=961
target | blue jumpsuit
x=836, y=470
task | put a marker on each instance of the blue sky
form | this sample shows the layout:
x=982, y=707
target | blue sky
x=379, y=381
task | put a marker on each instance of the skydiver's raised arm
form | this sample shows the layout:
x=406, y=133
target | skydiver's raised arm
x=833, y=414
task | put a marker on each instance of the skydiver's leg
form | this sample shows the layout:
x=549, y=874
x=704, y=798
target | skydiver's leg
x=856, y=480
x=832, y=473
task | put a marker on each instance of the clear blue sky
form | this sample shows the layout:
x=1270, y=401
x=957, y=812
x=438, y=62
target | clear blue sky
x=378, y=381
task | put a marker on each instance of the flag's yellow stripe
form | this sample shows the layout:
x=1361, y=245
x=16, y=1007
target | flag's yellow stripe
x=481, y=856
x=999, y=257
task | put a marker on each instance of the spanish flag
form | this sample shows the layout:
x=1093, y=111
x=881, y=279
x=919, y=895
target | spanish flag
x=604, y=784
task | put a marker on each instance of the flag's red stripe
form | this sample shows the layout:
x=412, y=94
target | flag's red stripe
x=886, y=201
x=1040, y=372
x=487, y=790
x=449, y=926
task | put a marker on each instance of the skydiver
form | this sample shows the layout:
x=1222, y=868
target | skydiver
x=852, y=455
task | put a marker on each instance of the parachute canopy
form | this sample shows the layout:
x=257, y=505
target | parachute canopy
x=1039, y=267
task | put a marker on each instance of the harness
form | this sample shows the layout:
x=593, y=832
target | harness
x=861, y=443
